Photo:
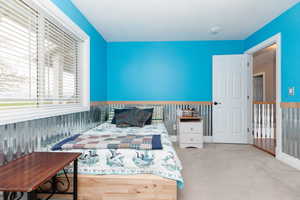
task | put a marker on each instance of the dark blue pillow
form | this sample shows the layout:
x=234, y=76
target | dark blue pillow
x=118, y=111
x=150, y=110
x=133, y=117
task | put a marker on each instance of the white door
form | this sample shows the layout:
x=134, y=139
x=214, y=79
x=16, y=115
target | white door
x=230, y=97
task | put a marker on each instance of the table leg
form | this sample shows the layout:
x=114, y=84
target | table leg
x=5, y=195
x=31, y=195
x=75, y=174
x=12, y=195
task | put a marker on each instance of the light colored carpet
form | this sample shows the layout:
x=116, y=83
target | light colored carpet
x=236, y=172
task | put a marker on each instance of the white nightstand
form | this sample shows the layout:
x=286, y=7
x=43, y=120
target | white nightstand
x=190, y=132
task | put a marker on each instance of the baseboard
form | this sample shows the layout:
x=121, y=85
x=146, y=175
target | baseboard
x=208, y=139
x=289, y=160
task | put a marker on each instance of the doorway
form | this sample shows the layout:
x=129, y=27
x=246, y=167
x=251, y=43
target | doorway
x=264, y=99
x=266, y=95
x=261, y=113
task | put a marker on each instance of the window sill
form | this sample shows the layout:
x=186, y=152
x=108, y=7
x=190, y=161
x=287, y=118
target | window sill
x=26, y=114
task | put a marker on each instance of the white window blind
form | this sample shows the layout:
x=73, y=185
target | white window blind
x=38, y=59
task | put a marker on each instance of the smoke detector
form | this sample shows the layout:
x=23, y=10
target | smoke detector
x=215, y=30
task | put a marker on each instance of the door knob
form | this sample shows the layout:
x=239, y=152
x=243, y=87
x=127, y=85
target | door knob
x=217, y=103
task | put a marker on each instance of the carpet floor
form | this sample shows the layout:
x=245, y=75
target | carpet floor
x=236, y=172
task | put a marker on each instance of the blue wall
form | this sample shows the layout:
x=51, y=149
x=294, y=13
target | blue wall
x=98, y=68
x=178, y=70
x=164, y=70
x=289, y=26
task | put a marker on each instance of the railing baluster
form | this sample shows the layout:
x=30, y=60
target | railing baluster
x=259, y=122
x=272, y=121
x=268, y=129
x=264, y=121
x=255, y=121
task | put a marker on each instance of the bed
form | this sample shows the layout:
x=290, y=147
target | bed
x=107, y=174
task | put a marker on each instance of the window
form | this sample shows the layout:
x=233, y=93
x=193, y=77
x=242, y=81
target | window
x=43, y=62
x=18, y=54
x=59, y=76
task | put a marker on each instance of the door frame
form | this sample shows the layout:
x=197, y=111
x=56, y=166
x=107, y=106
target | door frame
x=276, y=39
x=263, y=74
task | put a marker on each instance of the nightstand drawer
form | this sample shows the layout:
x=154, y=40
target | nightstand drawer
x=191, y=138
x=191, y=127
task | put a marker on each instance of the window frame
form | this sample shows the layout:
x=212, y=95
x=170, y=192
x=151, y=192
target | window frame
x=23, y=114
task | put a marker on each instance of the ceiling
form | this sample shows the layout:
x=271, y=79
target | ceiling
x=180, y=20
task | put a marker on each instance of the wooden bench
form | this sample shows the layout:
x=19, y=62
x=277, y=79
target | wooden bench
x=28, y=173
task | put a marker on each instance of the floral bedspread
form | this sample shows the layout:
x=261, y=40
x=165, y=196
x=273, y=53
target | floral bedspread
x=164, y=163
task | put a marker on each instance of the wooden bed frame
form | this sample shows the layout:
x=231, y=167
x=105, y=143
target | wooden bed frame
x=123, y=187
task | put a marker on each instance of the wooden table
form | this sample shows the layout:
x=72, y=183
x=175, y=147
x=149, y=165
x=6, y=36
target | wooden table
x=29, y=172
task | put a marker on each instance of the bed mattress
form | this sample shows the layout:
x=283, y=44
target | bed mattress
x=163, y=163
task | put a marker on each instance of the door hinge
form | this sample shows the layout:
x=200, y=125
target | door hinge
x=248, y=64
